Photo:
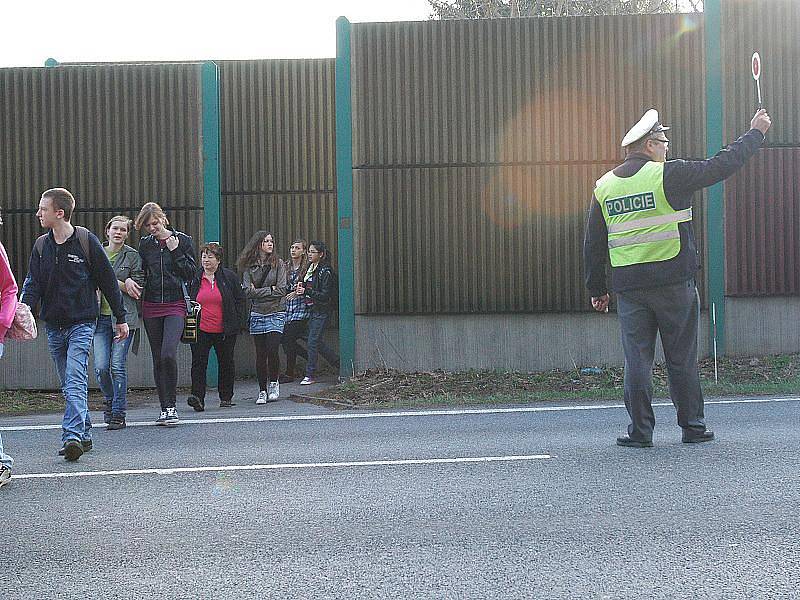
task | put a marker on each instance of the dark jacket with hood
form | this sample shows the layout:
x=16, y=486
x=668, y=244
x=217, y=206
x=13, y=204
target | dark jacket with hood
x=65, y=283
x=165, y=270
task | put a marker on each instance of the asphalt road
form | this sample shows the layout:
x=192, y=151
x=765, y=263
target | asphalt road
x=321, y=504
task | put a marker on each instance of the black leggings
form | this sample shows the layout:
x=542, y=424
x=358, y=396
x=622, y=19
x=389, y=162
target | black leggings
x=268, y=364
x=293, y=331
x=164, y=335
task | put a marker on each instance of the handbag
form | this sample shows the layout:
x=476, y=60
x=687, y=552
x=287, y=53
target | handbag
x=191, y=321
x=23, y=327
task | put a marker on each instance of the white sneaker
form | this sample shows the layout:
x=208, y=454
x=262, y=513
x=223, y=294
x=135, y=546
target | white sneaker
x=274, y=390
x=307, y=381
x=5, y=475
x=262, y=397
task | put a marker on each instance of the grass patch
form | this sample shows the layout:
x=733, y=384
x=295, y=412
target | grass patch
x=737, y=376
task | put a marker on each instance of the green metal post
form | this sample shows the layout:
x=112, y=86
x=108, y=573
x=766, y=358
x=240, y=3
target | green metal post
x=344, y=198
x=211, y=179
x=715, y=233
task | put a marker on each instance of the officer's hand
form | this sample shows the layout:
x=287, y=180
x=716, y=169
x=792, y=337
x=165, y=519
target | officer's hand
x=122, y=332
x=172, y=242
x=761, y=121
x=600, y=303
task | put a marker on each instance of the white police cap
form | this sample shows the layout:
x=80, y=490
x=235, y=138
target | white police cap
x=647, y=125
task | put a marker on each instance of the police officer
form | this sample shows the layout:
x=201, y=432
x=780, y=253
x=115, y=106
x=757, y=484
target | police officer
x=640, y=221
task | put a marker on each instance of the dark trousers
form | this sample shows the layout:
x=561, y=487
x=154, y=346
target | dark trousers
x=224, y=346
x=164, y=335
x=268, y=363
x=293, y=331
x=673, y=311
x=316, y=345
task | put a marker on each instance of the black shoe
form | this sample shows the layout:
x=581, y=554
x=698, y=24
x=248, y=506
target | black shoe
x=107, y=416
x=625, y=440
x=226, y=403
x=285, y=378
x=197, y=404
x=162, y=418
x=697, y=437
x=85, y=444
x=116, y=423
x=73, y=450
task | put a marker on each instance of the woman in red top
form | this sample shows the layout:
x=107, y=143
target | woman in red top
x=222, y=316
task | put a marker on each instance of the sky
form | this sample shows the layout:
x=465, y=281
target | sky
x=176, y=30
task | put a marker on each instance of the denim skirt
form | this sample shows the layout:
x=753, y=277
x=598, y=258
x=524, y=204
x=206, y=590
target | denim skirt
x=266, y=323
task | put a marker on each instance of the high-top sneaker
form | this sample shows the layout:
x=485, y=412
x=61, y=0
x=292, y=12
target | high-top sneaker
x=172, y=417
x=274, y=391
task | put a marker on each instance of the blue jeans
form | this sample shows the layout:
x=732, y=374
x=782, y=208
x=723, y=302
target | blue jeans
x=110, y=366
x=69, y=347
x=5, y=459
x=316, y=327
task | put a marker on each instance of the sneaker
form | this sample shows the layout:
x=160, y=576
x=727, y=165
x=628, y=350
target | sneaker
x=274, y=391
x=116, y=423
x=307, y=381
x=73, y=450
x=197, y=404
x=85, y=444
x=162, y=418
x=5, y=475
x=226, y=403
x=172, y=417
x=262, y=397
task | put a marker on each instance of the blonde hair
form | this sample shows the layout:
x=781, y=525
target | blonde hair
x=151, y=210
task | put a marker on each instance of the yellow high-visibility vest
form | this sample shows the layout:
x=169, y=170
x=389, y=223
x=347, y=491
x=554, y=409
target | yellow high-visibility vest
x=642, y=226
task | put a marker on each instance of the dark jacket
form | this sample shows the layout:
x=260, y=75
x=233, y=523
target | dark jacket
x=66, y=286
x=270, y=295
x=164, y=270
x=321, y=290
x=128, y=263
x=234, y=309
x=682, y=178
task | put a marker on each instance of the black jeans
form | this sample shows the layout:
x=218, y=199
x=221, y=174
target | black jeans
x=164, y=335
x=224, y=345
x=268, y=363
x=293, y=331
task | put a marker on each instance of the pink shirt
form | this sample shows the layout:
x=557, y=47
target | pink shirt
x=210, y=300
x=8, y=294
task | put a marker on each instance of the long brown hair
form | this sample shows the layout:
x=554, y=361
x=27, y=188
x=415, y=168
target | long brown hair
x=301, y=272
x=252, y=251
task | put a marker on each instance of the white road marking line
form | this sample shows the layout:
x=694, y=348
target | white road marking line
x=410, y=413
x=275, y=467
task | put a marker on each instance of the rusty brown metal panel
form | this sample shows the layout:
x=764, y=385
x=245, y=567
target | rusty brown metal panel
x=286, y=216
x=278, y=126
x=762, y=225
x=770, y=27
x=477, y=144
x=117, y=136
x=470, y=239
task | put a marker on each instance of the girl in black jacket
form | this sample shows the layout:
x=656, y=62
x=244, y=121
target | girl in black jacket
x=221, y=297
x=168, y=262
x=319, y=290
